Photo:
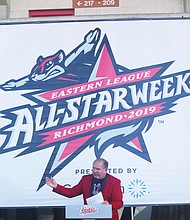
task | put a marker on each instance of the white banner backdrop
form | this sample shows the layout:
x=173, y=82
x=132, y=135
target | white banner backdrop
x=71, y=92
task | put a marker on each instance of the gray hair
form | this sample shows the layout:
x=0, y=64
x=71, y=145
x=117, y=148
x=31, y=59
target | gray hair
x=104, y=162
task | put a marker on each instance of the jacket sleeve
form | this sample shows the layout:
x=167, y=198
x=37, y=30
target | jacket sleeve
x=117, y=196
x=69, y=192
x=112, y=192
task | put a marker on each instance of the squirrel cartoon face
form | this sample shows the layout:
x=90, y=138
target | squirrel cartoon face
x=49, y=67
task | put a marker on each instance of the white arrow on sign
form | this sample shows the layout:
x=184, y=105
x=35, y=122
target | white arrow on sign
x=79, y=3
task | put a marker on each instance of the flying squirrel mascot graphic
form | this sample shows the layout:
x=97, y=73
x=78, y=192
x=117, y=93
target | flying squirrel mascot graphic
x=73, y=68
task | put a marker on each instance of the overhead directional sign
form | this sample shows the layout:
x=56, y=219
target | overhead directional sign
x=95, y=3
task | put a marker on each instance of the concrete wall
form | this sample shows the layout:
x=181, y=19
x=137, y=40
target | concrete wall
x=187, y=6
x=20, y=8
x=4, y=12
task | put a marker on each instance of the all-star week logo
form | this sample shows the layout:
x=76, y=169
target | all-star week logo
x=85, y=99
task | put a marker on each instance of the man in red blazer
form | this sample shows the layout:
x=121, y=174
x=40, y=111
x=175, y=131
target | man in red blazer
x=91, y=184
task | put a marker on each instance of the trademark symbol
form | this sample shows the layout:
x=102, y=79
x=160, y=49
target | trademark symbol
x=160, y=121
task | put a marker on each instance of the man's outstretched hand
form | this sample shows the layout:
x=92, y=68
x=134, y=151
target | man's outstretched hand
x=51, y=182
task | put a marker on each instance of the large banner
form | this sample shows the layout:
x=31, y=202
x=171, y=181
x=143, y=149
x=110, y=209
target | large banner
x=72, y=92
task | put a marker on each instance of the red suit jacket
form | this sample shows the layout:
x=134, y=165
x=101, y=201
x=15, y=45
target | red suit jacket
x=111, y=192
